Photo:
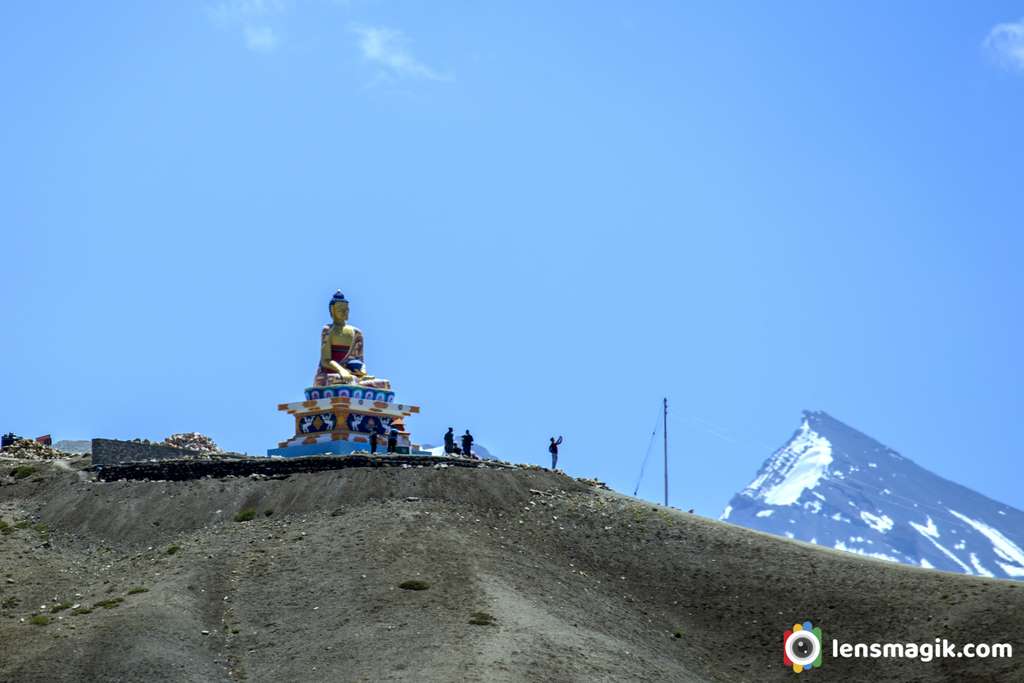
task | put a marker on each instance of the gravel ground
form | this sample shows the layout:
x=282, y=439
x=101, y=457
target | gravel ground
x=157, y=581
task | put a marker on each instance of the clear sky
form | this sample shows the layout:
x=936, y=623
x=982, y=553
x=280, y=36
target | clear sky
x=547, y=216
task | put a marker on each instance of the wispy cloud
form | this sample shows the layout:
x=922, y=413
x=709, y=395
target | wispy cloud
x=260, y=38
x=388, y=48
x=252, y=16
x=1005, y=42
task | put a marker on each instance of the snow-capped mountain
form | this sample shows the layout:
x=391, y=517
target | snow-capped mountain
x=480, y=451
x=833, y=486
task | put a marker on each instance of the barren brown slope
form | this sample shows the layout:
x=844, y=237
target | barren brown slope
x=583, y=585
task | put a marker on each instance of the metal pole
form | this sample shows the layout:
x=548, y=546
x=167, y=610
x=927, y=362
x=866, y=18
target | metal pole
x=664, y=431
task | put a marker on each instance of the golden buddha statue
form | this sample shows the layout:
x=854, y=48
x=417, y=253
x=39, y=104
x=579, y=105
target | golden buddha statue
x=341, y=351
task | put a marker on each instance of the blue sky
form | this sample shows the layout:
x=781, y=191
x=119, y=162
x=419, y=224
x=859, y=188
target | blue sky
x=547, y=217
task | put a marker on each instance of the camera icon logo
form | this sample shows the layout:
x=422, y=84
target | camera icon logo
x=801, y=647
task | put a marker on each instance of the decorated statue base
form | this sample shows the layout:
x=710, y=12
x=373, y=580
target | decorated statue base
x=340, y=423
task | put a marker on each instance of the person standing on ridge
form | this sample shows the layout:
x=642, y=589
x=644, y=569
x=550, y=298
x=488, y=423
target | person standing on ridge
x=449, y=442
x=553, y=450
x=467, y=444
x=392, y=441
x=373, y=442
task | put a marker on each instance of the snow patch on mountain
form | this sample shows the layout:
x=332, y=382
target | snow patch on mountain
x=860, y=551
x=799, y=466
x=927, y=533
x=928, y=529
x=880, y=523
x=1004, y=547
x=976, y=563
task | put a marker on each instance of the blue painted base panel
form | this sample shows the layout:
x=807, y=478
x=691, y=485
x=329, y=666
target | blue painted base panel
x=331, y=448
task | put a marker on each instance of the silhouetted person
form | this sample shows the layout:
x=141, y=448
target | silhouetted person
x=373, y=442
x=449, y=442
x=392, y=441
x=467, y=444
x=553, y=450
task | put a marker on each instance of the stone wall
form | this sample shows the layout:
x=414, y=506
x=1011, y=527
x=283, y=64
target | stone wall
x=112, y=452
x=182, y=470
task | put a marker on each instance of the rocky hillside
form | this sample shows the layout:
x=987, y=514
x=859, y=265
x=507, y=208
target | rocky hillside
x=456, y=574
x=834, y=486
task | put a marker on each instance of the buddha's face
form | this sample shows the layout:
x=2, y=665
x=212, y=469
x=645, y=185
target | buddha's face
x=339, y=311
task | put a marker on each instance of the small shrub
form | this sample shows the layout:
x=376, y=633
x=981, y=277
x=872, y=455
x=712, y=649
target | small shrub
x=481, y=619
x=23, y=524
x=10, y=603
x=81, y=610
x=23, y=471
x=173, y=549
x=414, y=585
x=39, y=620
x=246, y=515
x=6, y=528
x=678, y=633
x=137, y=590
x=60, y=608
x=267, y=513
x=108, y=604
x=42, y=529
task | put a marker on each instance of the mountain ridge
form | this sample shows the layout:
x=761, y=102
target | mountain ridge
x=833, y=485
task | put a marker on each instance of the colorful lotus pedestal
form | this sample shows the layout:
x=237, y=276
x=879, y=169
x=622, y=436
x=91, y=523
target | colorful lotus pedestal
x=346, y=405
x=340, y=419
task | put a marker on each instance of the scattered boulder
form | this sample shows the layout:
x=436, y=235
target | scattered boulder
x=193, y=441
x=596, y=483
x=28, y=449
